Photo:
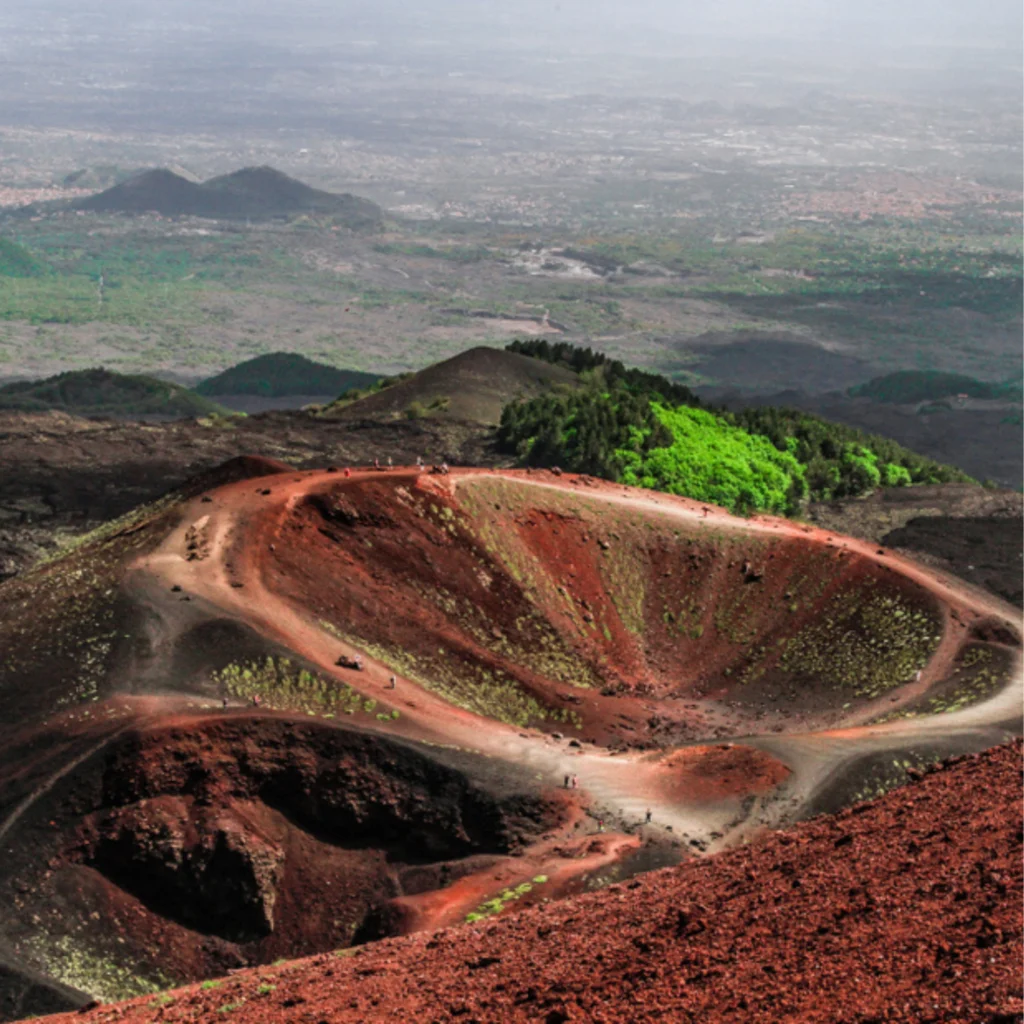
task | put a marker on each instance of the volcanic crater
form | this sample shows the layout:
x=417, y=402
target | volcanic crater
x=563, y=681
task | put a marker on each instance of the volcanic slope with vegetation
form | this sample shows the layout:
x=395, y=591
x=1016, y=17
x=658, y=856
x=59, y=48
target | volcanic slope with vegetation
x=642, y=429
x=472, y=387
x=153, y=836
x=510, y=600
x=278, y=374
x=101, y=392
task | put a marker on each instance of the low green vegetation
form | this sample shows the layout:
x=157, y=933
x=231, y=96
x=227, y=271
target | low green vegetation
x=420, y=410
x=466, y=683
x=100, y=392
x=354, y=394
x=639, y=428
x=75, y=963
x=864, y=643
x=979, y=674
x=451, y=253
x=284, y=373
x=17, y=261
x=281, y=684
x=503, y=899
x=912, y=386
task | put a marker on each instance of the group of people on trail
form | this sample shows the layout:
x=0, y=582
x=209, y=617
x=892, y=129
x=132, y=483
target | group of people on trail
x=440, y=468
x=572, y=782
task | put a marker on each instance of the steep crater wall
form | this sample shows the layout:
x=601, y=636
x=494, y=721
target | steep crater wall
x=540, y=607
x=203, y=846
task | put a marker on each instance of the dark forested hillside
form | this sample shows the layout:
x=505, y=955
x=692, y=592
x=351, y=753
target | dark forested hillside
x=642, y=429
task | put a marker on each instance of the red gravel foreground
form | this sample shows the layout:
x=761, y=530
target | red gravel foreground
x=907, y=908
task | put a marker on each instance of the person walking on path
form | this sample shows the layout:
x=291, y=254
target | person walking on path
x=392, y=682
x=567, y=782
x=648, y=820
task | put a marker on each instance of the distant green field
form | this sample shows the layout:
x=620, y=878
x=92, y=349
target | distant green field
x=16, y=260
x=194, y=296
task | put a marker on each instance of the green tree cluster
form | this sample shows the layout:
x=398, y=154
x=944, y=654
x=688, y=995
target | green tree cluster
x=639, y=428
x=910, y=386
x=711, y=460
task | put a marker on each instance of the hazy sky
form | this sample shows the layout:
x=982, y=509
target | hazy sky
x=851, y=24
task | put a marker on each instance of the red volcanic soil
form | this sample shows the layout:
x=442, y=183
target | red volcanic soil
x=201, y=844
x=904, y=909
x=706, y=774
x=550, y=608
x=536, y=651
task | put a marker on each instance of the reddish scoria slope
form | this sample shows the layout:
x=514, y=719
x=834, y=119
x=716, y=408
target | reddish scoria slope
x=904, y=909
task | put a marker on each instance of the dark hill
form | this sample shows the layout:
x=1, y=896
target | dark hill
x=107, y=175
x=277, y=374
x=472, y=387
x=910, y=386
x=258, y=193
x=101, y=392
x=156, y=191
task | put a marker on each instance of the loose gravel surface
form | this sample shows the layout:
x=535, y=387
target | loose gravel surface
x=907, y=908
